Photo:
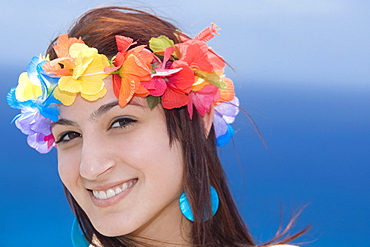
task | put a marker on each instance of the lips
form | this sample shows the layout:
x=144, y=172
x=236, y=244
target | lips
x=116, y=190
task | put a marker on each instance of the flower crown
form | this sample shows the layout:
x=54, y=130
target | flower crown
x=175, y=75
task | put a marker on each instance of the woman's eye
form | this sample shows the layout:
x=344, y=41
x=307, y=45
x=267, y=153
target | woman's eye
x=68, y=136
x=123, y=122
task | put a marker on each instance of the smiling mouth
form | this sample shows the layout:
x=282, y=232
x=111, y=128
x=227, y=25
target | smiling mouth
x=100, y=194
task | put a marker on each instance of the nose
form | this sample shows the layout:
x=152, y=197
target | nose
x=96, y=160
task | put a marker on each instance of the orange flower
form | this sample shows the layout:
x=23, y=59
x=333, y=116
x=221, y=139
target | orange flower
x=62, y=50
x=228, y=93
x=132, y=67
x=63, y=44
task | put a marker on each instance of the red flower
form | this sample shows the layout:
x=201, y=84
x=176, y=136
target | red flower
x=178, y=86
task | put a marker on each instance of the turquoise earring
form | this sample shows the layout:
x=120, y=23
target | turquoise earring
x=186, y=209
x=78, y=239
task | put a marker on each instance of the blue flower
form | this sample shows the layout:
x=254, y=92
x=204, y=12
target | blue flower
x=37, y=104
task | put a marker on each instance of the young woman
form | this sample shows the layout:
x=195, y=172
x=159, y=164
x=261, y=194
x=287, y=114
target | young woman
x=136, y=109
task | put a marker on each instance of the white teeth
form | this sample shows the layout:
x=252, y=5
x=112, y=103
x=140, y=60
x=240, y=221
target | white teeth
x=96, y=193
x=112, y=192
x=102, y=195
x=118, y=190
x=124, y=186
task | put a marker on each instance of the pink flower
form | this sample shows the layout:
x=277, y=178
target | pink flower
x=203, y=99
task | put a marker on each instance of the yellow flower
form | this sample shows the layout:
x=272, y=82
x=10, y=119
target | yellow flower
x=30, y=82
x=86, y=77
x=26, y=90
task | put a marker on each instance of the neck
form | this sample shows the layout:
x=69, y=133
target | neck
x=168, y=228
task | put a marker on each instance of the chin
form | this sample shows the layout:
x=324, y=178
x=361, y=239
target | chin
x=116, y=227
x=112, y=231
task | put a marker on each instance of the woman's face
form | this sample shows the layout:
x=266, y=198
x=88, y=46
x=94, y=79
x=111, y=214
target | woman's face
x=118, y=164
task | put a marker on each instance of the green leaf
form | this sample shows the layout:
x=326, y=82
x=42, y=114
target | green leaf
x=211, y=77
x=160, y=44
x=111, y=61
x=153, y=101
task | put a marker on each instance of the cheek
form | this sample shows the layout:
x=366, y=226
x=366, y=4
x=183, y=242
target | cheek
x=68, y=169
x=165, y=167
x=155, y=154
x=152, y=155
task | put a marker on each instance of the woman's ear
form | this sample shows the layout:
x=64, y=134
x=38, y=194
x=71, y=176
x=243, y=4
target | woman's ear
x=207, y=120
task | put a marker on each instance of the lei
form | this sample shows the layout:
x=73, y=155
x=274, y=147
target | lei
x=173, y=75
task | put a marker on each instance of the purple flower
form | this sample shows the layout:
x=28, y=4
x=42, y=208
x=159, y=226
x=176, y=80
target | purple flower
x=42, y=143
x=224, y=115
x=30, y=122
x=37, y=127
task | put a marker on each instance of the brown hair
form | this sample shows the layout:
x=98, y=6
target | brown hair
x=202, y=167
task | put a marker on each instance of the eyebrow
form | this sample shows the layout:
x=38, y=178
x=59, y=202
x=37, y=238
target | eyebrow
x=105, y=108
x=63, y=121
x=96, y=114
x=102, y=110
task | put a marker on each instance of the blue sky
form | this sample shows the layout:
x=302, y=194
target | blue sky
x=289, y=39
x=301, y=69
